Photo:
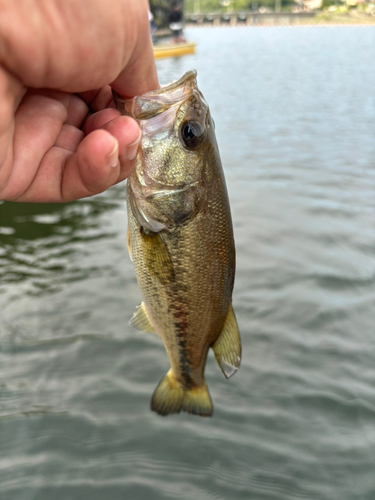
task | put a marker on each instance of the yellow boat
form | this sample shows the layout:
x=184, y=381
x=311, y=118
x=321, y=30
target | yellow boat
x=174, y=50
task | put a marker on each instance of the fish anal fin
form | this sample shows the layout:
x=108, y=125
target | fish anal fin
x=129, y=244
x=172, y=397
x=141, y=320
x=227, y=347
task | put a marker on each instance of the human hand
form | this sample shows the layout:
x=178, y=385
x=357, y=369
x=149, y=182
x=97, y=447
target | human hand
x=60, y=136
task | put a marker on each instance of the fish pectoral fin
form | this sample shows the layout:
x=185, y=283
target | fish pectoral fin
x=141, y=320
x=129, y=244
x=227, y=347
x=171, y=397
x=156, y=257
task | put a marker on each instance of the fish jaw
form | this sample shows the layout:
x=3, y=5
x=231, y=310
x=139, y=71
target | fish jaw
x=157, y=101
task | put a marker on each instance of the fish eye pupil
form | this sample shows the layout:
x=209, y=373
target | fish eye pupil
x=189, y=131
x=192, y=134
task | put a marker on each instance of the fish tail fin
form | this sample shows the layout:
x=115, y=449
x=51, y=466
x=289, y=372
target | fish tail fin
x=198, y=401
x=168, y=396
x=171, y=396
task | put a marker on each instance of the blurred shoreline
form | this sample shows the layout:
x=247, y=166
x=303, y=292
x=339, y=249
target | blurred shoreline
x=341, y=15
x=258, y=19
x=286, y=19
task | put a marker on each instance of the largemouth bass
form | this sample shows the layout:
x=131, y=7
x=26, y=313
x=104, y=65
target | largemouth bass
x=180, y=239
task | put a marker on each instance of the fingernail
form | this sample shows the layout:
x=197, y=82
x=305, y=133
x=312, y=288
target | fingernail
x=112, y=158
x=131, y=150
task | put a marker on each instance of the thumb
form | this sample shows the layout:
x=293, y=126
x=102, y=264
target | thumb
x=11, y=93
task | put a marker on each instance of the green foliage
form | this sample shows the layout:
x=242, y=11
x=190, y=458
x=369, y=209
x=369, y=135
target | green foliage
x=215, y=5
x=328, y=3
x=161, y=10
x=341, y=7
x=234, y=6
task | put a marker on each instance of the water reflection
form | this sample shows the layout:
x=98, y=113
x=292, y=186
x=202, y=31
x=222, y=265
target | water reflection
x=38, y=241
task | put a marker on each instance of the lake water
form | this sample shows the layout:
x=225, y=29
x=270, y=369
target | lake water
x=295, y=120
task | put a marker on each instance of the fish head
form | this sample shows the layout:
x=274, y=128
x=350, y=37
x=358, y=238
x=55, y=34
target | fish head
x=168, y=184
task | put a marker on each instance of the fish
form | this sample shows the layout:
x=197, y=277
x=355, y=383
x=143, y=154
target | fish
x=180, y=239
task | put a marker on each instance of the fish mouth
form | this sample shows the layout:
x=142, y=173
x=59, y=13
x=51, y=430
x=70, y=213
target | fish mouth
x=157, y=101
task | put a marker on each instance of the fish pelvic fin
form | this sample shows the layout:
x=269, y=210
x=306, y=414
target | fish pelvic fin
x=227, y=347
x=171, y=396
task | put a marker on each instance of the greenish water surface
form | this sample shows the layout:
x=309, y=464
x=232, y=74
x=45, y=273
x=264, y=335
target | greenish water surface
x=295, y=118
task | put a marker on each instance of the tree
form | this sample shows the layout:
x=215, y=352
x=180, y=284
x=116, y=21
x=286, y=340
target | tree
x=161, y=10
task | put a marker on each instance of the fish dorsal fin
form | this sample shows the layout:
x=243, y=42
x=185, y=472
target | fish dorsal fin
x=141, y=320
x=227, y=347
x=129, y=244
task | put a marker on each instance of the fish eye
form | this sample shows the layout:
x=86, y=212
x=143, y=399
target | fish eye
x=192, y=134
